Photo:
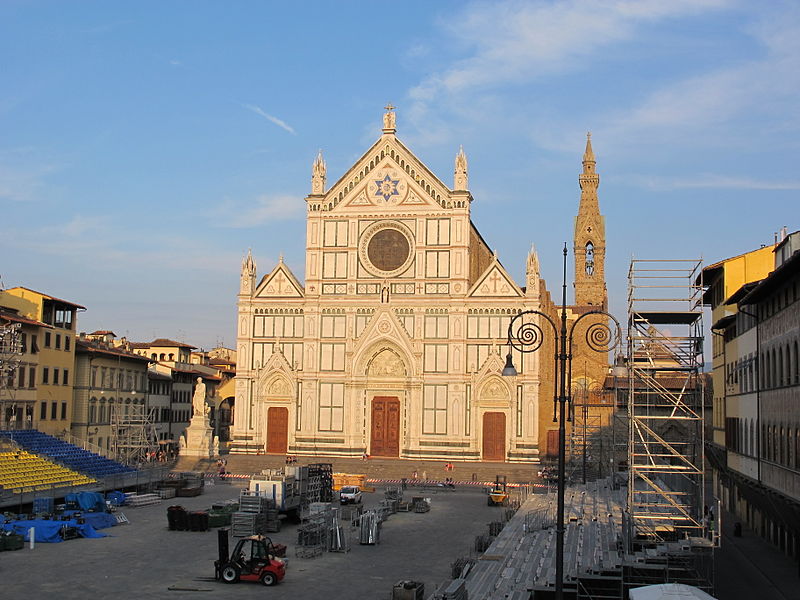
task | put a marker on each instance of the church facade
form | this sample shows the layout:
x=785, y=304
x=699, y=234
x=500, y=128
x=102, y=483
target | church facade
x=394, y=344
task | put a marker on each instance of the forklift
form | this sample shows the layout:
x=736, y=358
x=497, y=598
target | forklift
x=498, y=495
x=253, y=559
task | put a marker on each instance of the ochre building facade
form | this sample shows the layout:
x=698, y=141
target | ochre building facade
x=394, y=344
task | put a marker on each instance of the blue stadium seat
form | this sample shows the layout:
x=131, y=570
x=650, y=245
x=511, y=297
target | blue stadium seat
x=69, y=455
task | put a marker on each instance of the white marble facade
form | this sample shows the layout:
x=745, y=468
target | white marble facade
x=395, y=342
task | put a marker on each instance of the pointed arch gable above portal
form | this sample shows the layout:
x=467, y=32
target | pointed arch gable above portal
x=280, y=283
x=276, y=380
x=493, y=365
x=494, y=391
x=495, y=283
x=384, y=329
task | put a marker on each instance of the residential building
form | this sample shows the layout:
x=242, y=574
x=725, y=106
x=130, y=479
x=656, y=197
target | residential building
x=721, y=280
x=159, y=400
x=110, y=390
x=762, y=399
x=757, y=465
x=19, y=379
x=56, y=356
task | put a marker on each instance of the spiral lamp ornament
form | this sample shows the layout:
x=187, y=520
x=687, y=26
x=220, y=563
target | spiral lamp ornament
x=528, y=337
x=600, y=337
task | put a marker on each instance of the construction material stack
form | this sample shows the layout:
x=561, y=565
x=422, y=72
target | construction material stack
x=257, y=514
x=323, y=473
x=408, y=590
x=370, y=528
x=338, y=540
x=312, y=535
x=294, y=488
x=282, y=489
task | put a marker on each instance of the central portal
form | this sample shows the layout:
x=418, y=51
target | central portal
x=277, y=429
x=385, y=438
x=494, y=436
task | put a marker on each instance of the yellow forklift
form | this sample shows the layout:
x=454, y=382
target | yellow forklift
x=498, y=494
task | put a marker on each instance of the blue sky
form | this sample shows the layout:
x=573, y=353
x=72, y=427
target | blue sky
x=145, y=146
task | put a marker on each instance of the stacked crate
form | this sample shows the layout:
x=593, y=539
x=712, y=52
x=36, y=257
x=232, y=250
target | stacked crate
x=324, y=474
x=256, y=515
x=312, y=535
x=246, y=523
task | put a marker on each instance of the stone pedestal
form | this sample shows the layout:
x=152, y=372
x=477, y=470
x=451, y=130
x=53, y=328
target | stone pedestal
x=198, y=440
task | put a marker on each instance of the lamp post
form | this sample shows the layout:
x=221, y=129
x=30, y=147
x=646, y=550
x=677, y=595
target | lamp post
x=529, y=337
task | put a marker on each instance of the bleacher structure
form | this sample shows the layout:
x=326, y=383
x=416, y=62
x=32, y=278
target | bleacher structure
x=21, y=471
x=519, y=563
x=616, y=537
x=666, y=483
x=70, y=456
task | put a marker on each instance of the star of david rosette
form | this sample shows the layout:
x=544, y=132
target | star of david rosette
x=387, y=187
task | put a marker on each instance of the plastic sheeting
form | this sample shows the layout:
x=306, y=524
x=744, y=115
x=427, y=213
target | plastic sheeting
x=98, y=520
x=116, y=498
x=87, y=501
x=48, y=531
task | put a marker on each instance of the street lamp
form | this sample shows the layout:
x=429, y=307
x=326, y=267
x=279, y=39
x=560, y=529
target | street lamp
x=529, y=337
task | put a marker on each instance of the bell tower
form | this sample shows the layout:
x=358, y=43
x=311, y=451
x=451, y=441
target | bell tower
x=590, y=238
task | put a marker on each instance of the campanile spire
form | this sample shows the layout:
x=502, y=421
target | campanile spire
x=589, y=245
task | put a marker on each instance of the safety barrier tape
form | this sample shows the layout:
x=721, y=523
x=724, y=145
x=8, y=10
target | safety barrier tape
x=408, y=482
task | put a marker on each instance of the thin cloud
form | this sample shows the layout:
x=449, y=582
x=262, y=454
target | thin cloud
x=23, y=184
x=263, y=209
x=259, y=111
x=707, y=181
x=520, y=41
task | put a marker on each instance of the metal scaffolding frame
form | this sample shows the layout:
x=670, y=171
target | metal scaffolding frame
x=10, y=353
x=665, y=399
x=133, y=435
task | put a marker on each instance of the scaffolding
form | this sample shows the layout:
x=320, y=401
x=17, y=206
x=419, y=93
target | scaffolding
x=665, y=400
x=10, y=353
x=133, y=434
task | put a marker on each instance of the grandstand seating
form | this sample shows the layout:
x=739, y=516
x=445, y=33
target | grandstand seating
x=69, y=455
x=21, y=471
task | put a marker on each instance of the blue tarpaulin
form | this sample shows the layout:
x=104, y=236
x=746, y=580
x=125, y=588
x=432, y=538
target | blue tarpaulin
x=48, y=531
x=116, y=498
x=87, y=501
x=98, y=520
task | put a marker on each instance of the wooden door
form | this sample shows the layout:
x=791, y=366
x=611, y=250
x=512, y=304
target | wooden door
x=552, y=443
x=277, y=429
x=385, y=437
x=494, y=436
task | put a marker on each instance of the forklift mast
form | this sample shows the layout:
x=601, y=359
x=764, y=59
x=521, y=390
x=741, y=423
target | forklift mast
x=222, y=544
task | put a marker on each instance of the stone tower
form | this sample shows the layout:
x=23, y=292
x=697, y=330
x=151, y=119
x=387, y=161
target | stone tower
x=590, y=238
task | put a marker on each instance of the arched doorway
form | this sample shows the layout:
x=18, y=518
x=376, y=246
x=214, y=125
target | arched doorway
x=277, y=429
x=494, y=436
x=495, y=399
x=385, y=434
x=386, y=370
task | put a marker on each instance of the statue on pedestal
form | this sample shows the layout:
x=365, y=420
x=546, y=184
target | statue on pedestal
x=199, y=398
